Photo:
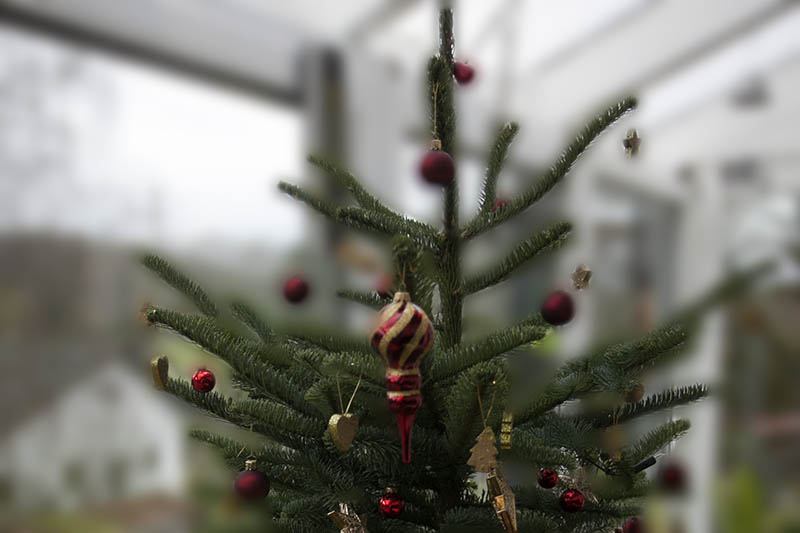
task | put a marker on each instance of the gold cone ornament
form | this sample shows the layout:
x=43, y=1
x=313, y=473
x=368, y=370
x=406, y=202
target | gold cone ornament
x=160, y=368
x=503, y=500
x=347, y=520
x=506, y=427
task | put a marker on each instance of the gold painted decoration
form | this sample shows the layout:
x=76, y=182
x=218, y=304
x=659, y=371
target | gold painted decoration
x=503, y=500
x=506, y=427
x=160, y=368
x=347, y=520
x=484, y=453
x=343, y=428
x=581, y=277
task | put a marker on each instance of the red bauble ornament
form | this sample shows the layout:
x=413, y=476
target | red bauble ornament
x=437, y=166
x=384, y=286
x=571, y=500
x=251, y=484
x=403, y=336
x=500, y=202
x=558, y=308
x=295, y=289
x=391, y=504
x=672, y=478
x=633, y=525
x=203, y=380
x=547, y=478
x=463, y=73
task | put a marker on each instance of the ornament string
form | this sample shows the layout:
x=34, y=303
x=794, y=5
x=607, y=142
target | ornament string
x=485, y=418
x=352, y=396
x=435, y=101
x=245, y=446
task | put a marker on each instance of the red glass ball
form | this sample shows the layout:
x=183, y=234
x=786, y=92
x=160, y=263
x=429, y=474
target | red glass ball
x=295, y=289
x=571, y=500
x=463, y=73
x=547, y=478
x=438, y=167
x=633, y=525
x=203, y=380
x=558, y=308
x=251, y=485
x=500, y=202
x=672, y=478
x=391, y=505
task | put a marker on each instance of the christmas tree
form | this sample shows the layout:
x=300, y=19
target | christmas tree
x=324, y=466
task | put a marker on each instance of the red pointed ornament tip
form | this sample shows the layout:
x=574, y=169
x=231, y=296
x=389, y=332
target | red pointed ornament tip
x=463, y=73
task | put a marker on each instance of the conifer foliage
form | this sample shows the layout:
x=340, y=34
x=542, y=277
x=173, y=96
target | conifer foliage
x=293, y=379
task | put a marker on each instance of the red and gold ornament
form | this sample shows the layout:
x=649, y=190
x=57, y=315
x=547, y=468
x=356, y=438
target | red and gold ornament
x=251, y=484
x=572, y=500
x=203, y=380
x=547, y=479
x=403, y=336
x=558, y=308
x=295, y=289
x=391, y=505
x=437, y=166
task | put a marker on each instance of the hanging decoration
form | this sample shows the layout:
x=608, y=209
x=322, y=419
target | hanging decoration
x=503, y=500
x=558, y=308
x=581, y=277
x=547, y=479
x=571, y=500
x=251, y=484
x=437, y=167
x=391, y=504
x=403, y=336
x=295, y=289
x=347, y=520
x=463, y=72
x=484, y=452
x=631, y=143
x=506, y=428
x=160, y=367
x=204, y=380
x=343, y=426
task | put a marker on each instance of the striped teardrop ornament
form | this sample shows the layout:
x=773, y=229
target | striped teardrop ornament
x=403, y=336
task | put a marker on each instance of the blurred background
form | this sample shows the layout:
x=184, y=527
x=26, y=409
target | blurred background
x=165, y=125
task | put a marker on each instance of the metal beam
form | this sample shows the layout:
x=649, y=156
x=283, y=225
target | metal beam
x=141, y=51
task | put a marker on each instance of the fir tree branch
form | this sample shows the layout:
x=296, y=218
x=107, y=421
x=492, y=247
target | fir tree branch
x=462, y=357
x=538, y=454
x=319, y=205
x=546, y=240
x=505, y=136
x=556, y=173
x=273, y=415
x=667, y=399
x=653, y=441
x=326, y=339
x=369, y=299
x=361, y=219
x=235, y=452
x=235, y=350
x=247, y=316
x=181, y=283
x=212, y=402
x=348, y=181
